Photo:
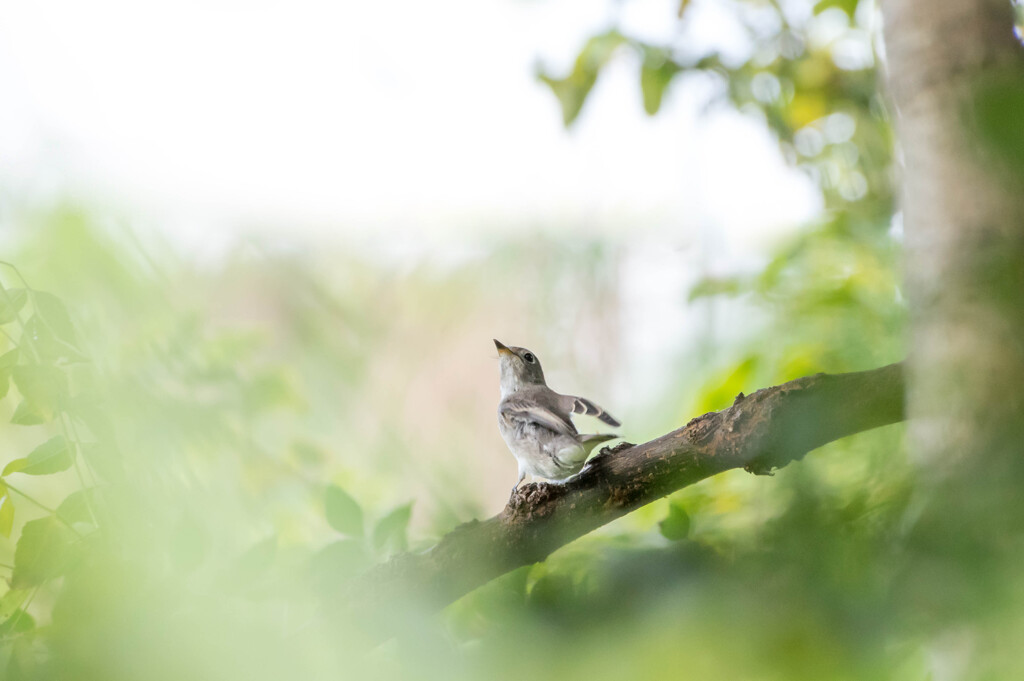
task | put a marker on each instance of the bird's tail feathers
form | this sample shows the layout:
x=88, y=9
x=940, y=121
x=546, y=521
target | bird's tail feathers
x=582, y=405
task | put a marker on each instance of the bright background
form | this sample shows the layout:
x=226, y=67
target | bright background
x=219, y=118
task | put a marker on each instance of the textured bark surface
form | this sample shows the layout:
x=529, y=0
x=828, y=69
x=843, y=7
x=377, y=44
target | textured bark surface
x=765, y=430
x=951, y=64
x=963, y=222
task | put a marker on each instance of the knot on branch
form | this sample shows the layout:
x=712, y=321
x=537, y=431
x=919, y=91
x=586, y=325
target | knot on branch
x=699, y=430
x=608, y=451
x=532, y=501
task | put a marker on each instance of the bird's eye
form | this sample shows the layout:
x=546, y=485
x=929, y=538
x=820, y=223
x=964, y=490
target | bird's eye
x=529, y=357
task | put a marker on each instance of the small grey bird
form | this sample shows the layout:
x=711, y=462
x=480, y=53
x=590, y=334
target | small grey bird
x=535, y=421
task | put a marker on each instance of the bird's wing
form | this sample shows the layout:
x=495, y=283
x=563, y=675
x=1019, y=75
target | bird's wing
x=581, y=405
x=516, y=407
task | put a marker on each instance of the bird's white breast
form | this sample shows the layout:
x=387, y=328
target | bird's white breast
x=539, y=451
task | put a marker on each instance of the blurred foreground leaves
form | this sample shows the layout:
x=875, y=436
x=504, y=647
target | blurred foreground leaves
x=212, y=531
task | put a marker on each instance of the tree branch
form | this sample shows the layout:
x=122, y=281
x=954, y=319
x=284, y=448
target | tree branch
x=759, y=432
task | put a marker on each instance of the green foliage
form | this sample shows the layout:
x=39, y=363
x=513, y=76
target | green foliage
x=6, y=511
x=676, y=525
x=42, y=388
x=343, y=512
x=46, y=548
x=7, y=361
x=77, y=506
x=391, y=532
x=656, y=73
x=848, y=6
x=28, y=415
x=18, y=622
x=49, y=328
x=45, y=551
x=573, y=89
x=11, y=302
x=826, y=110
x=53, y=456
x=194, y=544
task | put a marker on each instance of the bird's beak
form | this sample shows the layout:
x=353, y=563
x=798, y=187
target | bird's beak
x=502, y=350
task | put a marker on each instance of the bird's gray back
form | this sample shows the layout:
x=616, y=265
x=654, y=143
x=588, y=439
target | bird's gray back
x=548, y=400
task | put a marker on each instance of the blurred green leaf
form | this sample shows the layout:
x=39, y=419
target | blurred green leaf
x=552, y=591
x=270, y=389
x=54, y=315
x=656, y=73
x=14, y=465
x=75, y=507
x=43, y=388
x=676, y=524
x=7, y=362
x=27, y=659
x=18, y=623
x=848, y=6
x=391, y=532
x=44, y=551
x=11, y=601
x=717, y=286
x=573, y=89
x=6, y=510
x=9, y=359
x=11, y=302
x=27, y=415
x=50, y=346
x=571, y=92
x=50, y=329
x=343, y=512
x=53, y=456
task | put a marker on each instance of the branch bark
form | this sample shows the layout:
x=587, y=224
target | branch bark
x=759, y=432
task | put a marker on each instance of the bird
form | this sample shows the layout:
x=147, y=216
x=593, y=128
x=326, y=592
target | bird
x=536, y=422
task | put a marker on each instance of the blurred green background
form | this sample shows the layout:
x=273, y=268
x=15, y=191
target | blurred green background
x=200, y=451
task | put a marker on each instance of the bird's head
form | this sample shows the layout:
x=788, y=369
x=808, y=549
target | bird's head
x=518, y=367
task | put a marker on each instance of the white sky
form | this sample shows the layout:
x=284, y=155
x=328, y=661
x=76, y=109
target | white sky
x=210, y=117
x=403, y=122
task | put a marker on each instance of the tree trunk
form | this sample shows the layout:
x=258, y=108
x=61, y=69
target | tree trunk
x=963, y=206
